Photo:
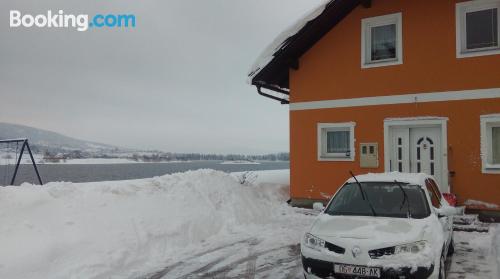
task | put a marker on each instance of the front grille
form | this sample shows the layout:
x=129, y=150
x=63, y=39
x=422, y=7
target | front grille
x=377, y=253
x=334, y=248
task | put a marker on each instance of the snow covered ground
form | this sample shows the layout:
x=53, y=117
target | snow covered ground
x=129, y=229
x=239, y=162
x=93, y=161
x=477, y=255
x=199, y=224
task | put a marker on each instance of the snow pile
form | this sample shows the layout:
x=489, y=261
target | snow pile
x=282, y=39
x=480, y=204
x=125, y=229
x=276, y=177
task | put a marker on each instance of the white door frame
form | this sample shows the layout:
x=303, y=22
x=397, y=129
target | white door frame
x=441, y=122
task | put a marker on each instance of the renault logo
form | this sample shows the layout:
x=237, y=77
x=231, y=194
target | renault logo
x=356, y=251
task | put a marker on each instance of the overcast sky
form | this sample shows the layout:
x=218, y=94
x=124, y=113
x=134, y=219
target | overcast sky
x=176, y=82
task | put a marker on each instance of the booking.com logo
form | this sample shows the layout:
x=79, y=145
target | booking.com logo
x=79, y=22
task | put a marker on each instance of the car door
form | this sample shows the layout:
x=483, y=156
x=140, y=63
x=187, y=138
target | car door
x=443, y=202
x=438, y=202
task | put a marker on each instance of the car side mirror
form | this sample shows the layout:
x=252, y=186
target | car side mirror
x=318, y=206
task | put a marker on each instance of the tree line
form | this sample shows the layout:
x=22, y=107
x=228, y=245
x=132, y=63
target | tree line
x=157, y=156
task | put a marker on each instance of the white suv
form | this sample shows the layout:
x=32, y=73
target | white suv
x=389, y=225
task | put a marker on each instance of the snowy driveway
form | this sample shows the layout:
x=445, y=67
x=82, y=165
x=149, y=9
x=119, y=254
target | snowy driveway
x=271, y=254
x=475, y=257
x=476, y=254
x=241, y=259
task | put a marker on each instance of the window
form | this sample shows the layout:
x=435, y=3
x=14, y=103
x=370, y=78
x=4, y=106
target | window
x=385, y=198
x=495, y=145
x=436, y=189
x=490, y=143
x=478, y=28
x=336, y=141
x=381, y=41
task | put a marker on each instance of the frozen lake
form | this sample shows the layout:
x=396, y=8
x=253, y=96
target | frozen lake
x=106, y=172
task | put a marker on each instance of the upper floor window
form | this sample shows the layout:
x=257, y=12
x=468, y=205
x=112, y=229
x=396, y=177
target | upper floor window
x=490, y=143
x=478, y=28
x=382, y=42
x=336, y=141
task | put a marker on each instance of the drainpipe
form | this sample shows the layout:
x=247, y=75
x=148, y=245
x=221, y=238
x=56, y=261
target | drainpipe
x=278, y=90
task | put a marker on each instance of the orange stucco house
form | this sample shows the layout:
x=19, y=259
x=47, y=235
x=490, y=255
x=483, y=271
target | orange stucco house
x=390, y=85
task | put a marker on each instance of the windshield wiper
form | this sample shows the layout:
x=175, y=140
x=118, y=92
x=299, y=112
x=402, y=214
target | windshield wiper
x=363, y=194
x=405, y=199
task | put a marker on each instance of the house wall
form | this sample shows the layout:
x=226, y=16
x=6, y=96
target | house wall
x=312, y=179
x=331, y=69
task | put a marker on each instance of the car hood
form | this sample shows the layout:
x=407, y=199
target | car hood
x=375, y=229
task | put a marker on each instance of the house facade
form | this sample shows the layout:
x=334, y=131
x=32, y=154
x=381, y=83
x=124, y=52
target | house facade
x=391, y=85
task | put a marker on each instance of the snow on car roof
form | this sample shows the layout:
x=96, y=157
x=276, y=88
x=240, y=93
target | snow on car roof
x=411, y=178
x=282, y=39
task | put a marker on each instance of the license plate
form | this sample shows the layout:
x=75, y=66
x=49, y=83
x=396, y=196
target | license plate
x=357, y=270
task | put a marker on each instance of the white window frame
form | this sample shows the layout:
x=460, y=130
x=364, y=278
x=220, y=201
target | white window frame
x=461, y=30
x=366, y=25
x=323, y=128
x=487, y=124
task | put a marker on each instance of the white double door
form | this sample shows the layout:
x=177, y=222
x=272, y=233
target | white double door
x=417, y=149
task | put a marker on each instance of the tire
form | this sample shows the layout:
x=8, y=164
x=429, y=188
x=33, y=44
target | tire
x=442, y=268
x=451, y=248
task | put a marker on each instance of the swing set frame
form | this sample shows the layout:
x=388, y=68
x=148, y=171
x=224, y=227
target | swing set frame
x=26, y=145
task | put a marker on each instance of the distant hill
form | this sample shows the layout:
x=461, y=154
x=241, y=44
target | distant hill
x=50, y=140
x=54, y=147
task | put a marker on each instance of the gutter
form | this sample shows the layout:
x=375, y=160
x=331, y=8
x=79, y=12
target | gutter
x=283, y=101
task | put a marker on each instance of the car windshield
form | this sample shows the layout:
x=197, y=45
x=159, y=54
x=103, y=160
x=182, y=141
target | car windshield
x=386, y=198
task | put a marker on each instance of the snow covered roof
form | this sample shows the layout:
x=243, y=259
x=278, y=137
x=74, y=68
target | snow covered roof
x=270, y=70
x=411, y=178
x=283, y=39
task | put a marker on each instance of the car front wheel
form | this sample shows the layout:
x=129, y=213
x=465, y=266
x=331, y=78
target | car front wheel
x=451, y=248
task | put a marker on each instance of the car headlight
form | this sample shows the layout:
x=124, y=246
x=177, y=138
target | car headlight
x=414, y=247
x=313, y=242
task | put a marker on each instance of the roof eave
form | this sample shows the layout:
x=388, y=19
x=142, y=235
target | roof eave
x=276, y=72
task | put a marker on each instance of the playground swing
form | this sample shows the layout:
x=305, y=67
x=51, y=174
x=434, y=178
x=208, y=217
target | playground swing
x=18, y=156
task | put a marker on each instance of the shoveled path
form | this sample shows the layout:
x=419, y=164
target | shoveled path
x=237, y=260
